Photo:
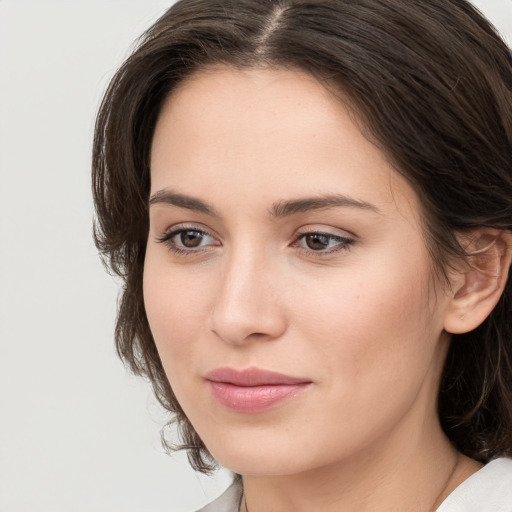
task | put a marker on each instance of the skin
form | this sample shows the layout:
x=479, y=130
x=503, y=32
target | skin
x=363, y=320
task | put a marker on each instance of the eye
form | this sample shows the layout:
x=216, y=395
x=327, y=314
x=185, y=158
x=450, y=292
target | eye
x=189, y=238
x=323, y=242
x=184, y=240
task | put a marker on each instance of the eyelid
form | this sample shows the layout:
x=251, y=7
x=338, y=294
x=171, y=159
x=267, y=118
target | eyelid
x=325, y=230
x=188, y=226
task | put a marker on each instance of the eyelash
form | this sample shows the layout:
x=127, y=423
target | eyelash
x=343, y=243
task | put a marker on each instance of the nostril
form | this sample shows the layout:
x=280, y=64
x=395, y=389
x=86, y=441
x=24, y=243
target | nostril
x=238, y=337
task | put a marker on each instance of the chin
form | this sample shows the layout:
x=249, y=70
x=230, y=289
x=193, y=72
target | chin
x=261, y=465
x=274, y=456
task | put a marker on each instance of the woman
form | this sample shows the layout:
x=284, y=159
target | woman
x=310, y=203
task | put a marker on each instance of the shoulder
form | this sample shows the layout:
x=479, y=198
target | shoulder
x=488, y=490
x=228, y=501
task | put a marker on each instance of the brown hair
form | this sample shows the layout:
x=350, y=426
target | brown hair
x=431, y=81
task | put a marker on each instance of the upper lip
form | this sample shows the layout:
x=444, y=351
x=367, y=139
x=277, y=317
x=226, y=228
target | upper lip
x=252, y=377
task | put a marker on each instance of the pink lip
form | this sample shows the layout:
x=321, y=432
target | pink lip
x=253, y=390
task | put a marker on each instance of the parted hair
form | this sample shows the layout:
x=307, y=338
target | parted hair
x=430, y=82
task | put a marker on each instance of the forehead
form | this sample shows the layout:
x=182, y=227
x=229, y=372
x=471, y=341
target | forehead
x=270, y=134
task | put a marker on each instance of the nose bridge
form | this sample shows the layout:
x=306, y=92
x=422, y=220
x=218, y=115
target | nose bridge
x=247, y=306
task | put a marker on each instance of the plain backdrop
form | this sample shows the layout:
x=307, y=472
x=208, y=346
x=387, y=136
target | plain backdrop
x=77, y=433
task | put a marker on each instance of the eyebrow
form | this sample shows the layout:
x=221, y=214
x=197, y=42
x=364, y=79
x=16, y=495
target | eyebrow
x=279, y=209
x=286, y=208
x=182, y=201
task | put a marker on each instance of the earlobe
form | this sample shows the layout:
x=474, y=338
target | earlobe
x=477, y=288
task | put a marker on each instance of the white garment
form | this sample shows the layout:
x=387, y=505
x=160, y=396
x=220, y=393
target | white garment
x=228, y=501
x=488, y=490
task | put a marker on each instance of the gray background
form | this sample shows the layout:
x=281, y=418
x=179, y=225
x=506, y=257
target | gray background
x=77, y=433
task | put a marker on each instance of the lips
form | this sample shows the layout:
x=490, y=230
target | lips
x=253, y=390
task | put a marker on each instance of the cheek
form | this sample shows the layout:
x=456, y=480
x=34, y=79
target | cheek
x=372, y=343
x=175, y=312
x=371, y=329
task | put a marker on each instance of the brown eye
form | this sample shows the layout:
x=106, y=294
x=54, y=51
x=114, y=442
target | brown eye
x=323, y=243
x=317, y=241
x=188, y=240
x=191, y=238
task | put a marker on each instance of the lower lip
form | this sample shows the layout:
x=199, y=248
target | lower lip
x=252, y=399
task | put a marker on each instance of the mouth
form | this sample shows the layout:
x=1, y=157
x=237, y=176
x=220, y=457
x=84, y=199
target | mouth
x=253, y=390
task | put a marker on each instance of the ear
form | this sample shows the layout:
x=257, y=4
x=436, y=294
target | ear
x=478, y=285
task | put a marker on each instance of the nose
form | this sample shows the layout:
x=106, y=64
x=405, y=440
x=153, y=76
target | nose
x=247, y=305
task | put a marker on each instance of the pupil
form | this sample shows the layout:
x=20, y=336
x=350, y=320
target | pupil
x=317, y=242
x=191, y=238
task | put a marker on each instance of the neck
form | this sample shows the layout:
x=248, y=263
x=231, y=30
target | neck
x=417, y=475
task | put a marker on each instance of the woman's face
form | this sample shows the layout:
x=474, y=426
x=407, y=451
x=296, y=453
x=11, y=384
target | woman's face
x=281, y=240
